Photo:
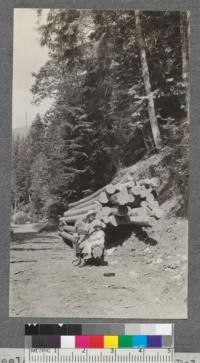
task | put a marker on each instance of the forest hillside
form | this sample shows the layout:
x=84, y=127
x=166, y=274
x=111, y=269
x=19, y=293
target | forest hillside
x=118, y=81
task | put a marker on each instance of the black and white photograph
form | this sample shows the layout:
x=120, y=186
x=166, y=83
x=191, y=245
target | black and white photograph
x=99, y=180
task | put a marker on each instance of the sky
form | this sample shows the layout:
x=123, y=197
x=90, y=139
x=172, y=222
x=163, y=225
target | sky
x=28, y=57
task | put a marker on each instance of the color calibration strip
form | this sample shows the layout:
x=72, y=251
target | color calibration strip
x=113, y=329
x=99, y=342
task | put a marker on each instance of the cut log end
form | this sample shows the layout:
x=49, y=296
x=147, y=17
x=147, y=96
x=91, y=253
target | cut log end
x=113, y=221
x=70, y=229
x=110, y=189
x=102, y=198
x=67, y=236
x=120, y=198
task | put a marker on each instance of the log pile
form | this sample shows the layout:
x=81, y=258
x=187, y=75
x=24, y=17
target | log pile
x=115, y=204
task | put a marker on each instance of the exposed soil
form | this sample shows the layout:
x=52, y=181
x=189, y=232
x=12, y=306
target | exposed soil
x=145, y=275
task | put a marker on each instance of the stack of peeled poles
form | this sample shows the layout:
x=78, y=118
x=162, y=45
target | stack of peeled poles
x=129, y=203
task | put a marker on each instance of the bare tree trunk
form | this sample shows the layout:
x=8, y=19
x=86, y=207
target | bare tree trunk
x=15, y=208
x=184, y=31
x=184, y=43
x=147, y=84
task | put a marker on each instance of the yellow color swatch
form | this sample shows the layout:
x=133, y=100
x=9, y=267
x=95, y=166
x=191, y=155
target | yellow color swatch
x=110, y=341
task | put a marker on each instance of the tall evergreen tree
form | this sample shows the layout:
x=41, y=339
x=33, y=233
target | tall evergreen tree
x=39, y=185
x=147, y=84
x=95, y=76
x=15, y=190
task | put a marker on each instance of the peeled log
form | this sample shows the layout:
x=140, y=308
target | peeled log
x=139, y=212
x=141, y=221
x=136, y=190
x=144, y=204
x=113, y=221
x=138, y=221
x=84, y=201
x=99, y=216
x=71, y=213
x=120, y=210
x=123, y=197
x=86, y=204
x=73, y=219
x=106, y=211
x=98, y=206
x=144, y=192
x=121, y=186
x=114, y=198
x=69, y=229
x=149, y=197
x=102, y=198
x=90, y=197
x=106, y=219
x=110, y=189
x=131, y=199
x=120, y=198
x=146, y=182
x=68, y=236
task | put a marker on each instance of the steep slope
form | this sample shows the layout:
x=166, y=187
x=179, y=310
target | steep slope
x=170, y=166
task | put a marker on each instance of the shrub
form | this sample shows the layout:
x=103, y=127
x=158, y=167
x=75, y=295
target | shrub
x=20, y=217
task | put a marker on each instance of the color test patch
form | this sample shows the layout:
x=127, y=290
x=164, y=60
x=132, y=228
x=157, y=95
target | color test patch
x=112, y=329
x=54, y=341
x=68, y=342
x=97, y=341
x=140, y=341
x=154, y=341
x=106, y=342
x=125, y=341
x=82, y=342
x=71, y=336
x=167, y=341
x=163, y=329
x=111, y=341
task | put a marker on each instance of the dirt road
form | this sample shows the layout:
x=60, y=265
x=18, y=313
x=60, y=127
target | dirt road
x=149, y=276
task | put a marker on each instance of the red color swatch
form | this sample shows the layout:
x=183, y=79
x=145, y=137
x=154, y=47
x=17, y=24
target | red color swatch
x=96, y=341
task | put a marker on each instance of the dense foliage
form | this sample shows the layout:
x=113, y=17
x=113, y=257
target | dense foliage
x=98, y=120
